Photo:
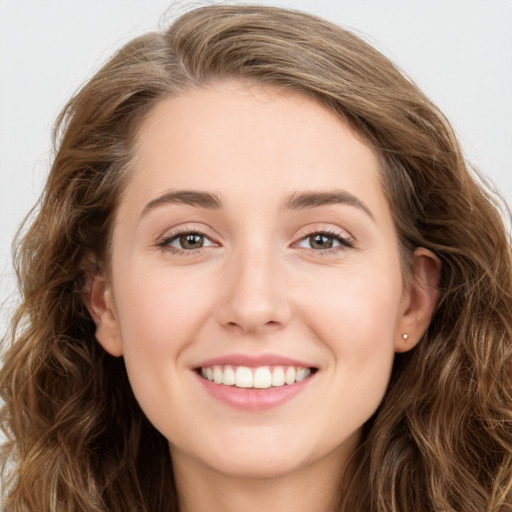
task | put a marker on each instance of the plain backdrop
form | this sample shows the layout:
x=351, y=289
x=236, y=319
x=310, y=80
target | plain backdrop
x=458, y=51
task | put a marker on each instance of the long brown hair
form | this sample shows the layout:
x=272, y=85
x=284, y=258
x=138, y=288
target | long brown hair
x=442, y=438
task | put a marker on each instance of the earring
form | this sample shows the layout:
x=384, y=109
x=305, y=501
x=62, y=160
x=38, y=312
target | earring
x=405, y=336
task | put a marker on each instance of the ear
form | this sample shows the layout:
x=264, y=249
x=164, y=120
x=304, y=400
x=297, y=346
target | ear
x=420, y=299
x=100, y=303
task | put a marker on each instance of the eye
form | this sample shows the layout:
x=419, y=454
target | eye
x=322, y=241
x=187, y=241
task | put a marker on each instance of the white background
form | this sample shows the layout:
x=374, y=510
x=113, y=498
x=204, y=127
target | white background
x=458, y=51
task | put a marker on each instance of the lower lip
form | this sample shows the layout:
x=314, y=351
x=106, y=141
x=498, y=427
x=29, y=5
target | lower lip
x=251, y=399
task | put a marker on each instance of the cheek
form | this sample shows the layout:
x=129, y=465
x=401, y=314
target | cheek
x=360, y=309
x=356, y=319
x=158, y=316
x=158, y=308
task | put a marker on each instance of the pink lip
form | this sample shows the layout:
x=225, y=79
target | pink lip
x=253, y=399
x=253, y=361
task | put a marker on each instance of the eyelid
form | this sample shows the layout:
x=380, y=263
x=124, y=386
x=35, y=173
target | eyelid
x=163, y=241
x=208, y=243
x=346, y=240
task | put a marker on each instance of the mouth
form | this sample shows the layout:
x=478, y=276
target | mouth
x=261, y=377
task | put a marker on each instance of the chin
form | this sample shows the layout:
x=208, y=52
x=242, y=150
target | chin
x=264, y=466
x=258, y=456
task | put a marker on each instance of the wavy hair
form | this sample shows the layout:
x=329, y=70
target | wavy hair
x=441, y=439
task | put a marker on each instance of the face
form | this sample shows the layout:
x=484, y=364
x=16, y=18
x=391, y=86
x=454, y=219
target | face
x=255, y=290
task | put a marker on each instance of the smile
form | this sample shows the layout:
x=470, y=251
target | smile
x=262, y=377
x=255, y=382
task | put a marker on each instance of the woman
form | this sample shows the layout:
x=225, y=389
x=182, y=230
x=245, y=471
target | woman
x=260, y=274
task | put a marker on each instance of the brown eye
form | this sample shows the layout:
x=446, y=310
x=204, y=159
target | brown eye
x=186, y=241
x=191, y=241
x=321, y=241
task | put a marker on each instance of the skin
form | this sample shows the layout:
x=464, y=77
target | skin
x=259, y=285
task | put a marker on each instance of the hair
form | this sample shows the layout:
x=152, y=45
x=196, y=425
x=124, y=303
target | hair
x=76, y=439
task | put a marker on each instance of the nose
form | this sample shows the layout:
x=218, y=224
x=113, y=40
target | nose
x=254, y=295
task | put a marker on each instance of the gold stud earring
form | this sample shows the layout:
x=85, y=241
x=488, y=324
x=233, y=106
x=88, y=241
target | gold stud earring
x=405, y=336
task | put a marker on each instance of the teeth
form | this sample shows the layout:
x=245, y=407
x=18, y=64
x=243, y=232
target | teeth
x=243, y=377
x=302, y=373
x=289, y=376
x=260, y=378
x=229, y=377
x=217, y=374
x=278, y=376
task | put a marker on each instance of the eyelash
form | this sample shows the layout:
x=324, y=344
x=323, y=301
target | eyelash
x=345, y=242
x=166, y=241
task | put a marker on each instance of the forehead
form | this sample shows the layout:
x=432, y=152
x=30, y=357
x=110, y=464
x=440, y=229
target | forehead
x=234, y=138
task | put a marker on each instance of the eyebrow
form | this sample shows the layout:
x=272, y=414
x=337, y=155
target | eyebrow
x=297, y=200
x=302, y=200
x=189, y=197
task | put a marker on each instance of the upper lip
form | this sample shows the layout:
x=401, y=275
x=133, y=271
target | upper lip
x=254, y=361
